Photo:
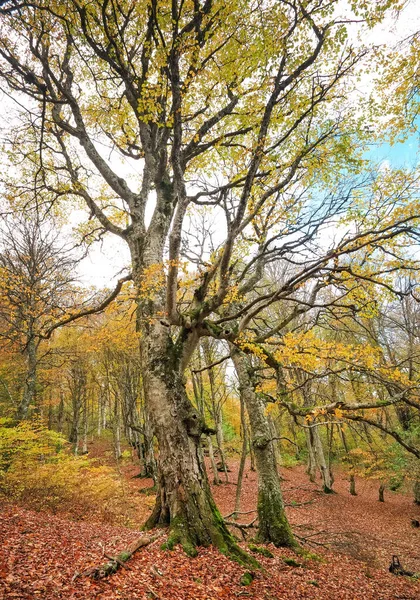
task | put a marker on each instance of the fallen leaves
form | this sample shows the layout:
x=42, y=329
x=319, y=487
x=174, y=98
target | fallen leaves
x=40, y=554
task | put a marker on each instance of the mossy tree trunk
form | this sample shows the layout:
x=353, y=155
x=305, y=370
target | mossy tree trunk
x=184, y=500
x=273, y=524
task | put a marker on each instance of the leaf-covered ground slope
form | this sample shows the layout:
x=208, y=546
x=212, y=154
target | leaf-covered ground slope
x=40, y=554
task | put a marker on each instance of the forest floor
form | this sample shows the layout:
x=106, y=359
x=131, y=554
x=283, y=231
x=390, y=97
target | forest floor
x=354, y=539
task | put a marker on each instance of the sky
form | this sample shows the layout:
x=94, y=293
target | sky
x=399, y=155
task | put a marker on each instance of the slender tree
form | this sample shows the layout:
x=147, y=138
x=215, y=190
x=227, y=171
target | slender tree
x=37, y=284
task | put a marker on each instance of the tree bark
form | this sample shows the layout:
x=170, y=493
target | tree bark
x=243, y=457
x=216, y=478
x=381, y=493
x=416, y=490
x=184, y=499
x=273, y=525
x=320, y=458
x=316, y=455
x=353, y=485
x=311, y=464
x=29, y=390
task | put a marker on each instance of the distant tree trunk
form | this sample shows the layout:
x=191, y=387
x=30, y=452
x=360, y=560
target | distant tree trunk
x=85, y=427
x=60, y=415
x=320, y=458
x=311, y=465
x=116, y=428
x=381, y=493
x=352, y=480
x=216, y=409
x=198, y=388
x=416, y=490
x=243, y=457
x=220, y=444
x=216, y=478
x=77, y=384
x=275, y=435
x=29, y=389
x=316, y=455
x=273, y=524
x=251, y=451
x=353, y=485
x=100, y=409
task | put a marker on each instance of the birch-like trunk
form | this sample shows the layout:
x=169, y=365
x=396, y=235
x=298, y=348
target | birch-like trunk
x=311, y=464
x=316, y=454
x=243, y=458
x=273, y=524
x=318, y=449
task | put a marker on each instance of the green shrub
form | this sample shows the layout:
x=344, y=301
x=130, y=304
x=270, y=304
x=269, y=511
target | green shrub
x=38, y=471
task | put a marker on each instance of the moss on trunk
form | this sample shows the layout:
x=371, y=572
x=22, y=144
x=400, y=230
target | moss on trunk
x=208, y=528
x=273, y=524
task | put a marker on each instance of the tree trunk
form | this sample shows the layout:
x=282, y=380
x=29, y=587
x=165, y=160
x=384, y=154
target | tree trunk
x=311, y=465
x=197, y=382
x=29, y=390
x=316, y=455
x=216, y=478
x=320, y=459
x=220, y=444
x=60, y=415
x=251, y=451
x=116, y=428
x=381, y=493
x=184, y=499
x=85, y=427
x=416, y=490
x=273, y=524
x=243, y=458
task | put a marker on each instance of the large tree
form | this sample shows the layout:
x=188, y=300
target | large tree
x=240, y=106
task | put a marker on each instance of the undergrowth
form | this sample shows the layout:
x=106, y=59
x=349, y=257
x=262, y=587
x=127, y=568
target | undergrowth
x=38, y=471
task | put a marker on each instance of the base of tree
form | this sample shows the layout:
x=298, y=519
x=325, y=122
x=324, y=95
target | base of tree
x=273, y=525
x=207, y=529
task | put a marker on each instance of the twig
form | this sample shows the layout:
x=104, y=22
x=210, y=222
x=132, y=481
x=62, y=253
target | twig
x=235, y=512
